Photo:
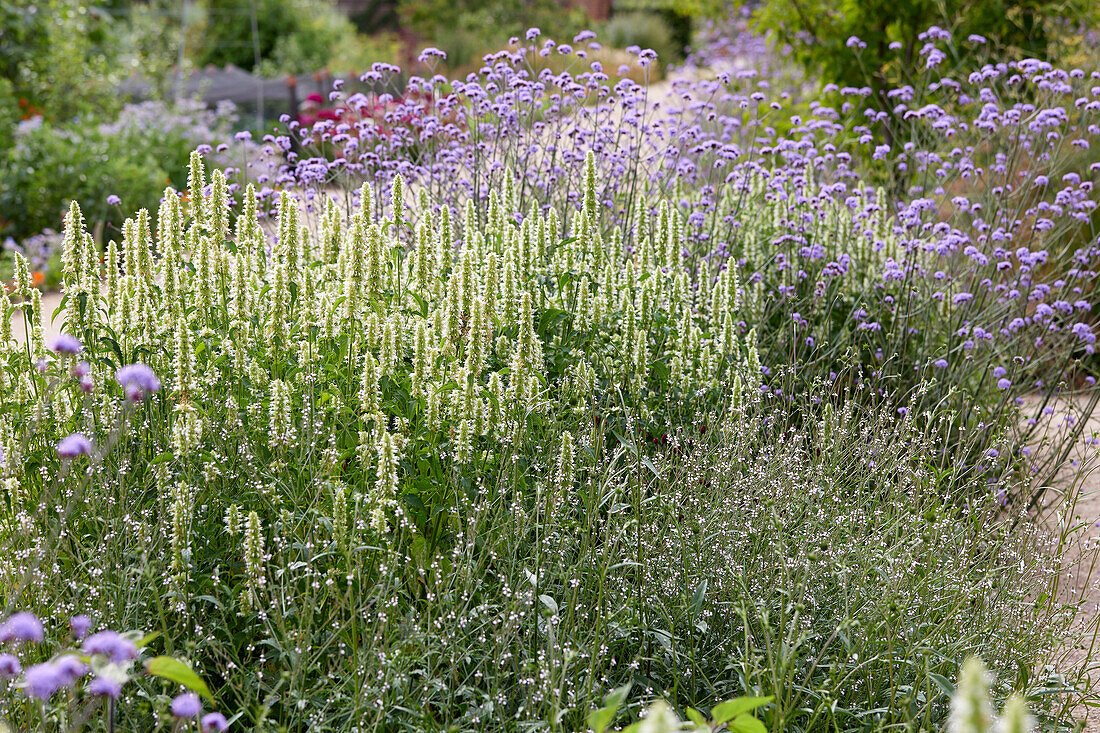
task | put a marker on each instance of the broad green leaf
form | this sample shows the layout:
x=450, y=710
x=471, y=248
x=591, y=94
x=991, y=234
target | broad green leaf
x=176, y=671
x=943, y=683
x=598, y=720
x=726, y=711
x=696, y=717
x=745, y=723
x=147, y=639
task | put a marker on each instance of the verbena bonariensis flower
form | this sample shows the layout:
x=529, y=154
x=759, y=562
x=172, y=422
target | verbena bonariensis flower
x=80, y=626
x=105, y=686
x=214, y=723
x=9, y=665
x=43, y=680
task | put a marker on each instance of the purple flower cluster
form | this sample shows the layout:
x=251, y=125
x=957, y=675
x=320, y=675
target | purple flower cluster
x=42, y=681
x=137, y=380
x=74, y=445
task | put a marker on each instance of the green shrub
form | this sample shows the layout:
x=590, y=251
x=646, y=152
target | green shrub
x=49, y=165
x=290, y=38
x=648, y=30
x=468, y=28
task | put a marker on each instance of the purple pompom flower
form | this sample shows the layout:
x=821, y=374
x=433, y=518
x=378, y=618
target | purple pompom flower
x=187, y=705
x=214, y=722
x=105, y=686
x=42, y=680
x=9, y=665
x=1004, y=383
x=74, y=445
x=940, y=363
x=66, y=344
x=22, y=626
x=112, y=645
x=80, y=626
x=137, y=379
x=113, y=200
x=70, y=668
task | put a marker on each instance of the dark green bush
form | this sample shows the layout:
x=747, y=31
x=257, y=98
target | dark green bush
x=49, y=165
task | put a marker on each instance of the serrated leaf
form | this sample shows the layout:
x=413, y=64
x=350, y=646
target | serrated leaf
x=174, y=670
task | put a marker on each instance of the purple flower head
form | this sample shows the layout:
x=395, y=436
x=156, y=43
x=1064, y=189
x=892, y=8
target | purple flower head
x=187, y=705
x=430, y=53
x=111, y=644
x=71, y=669
x=137, y=379
x=42, y=680
x=74, y=445
x=22, y=626
x=9, y=665
x=1004, y=383
x=80, y=626
x=105, y=686
x=940, y=363
x=212, y=722
x=66, y=344
x=113, y=200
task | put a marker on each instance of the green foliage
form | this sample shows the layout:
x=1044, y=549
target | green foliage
x=647, y=30
x=59, y=55
x=468, y=28
x=372, y=534
x=51, y=164
x=9, y=112
x=278, y=36
x=818, y=30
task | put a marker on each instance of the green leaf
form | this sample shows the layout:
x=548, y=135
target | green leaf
x=697, y=599
x=745, y=723
x=943, y=683
x=176, y=671
x=549, y=602
x=598, y=720
x=146, y=640
x=726, y=711
x=696, y=717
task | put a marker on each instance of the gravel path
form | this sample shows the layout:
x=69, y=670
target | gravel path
x=50, y=301
x=1073, y=513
